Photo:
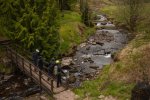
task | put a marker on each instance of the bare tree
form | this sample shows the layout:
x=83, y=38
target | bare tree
x=131, y=12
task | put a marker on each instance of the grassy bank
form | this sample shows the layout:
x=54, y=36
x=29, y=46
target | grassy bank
x=72, y=31
x=104, y=85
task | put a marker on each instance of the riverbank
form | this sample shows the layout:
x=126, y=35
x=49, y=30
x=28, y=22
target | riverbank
x=118, y=79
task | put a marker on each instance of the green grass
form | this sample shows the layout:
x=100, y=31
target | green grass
x=120, y=90
x=110, y=10
x=92, y=86
x=144, y=25
x=104, y=86
x=72, y=30
x=140, y=40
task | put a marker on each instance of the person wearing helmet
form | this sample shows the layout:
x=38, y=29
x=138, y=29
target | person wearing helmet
x=56, y=67
x=35, y=56
x=58, y=72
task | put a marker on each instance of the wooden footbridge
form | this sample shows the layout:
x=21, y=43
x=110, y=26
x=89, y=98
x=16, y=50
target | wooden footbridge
x=40, y=77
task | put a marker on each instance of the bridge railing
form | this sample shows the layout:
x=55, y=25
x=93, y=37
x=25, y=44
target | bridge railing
x=39, y=76
x=27, y=55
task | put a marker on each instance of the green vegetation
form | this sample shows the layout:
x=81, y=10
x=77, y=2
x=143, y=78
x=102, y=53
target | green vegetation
x=53, y=26
x=72, y=31
x=103, y=85
x=115, y=11
x=49, y=25
x=119, y=78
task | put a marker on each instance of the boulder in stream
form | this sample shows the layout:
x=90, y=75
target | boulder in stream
x=67, y=61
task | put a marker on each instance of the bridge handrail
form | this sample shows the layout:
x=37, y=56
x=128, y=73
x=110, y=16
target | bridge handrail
x=19, y=59
x=30, y=58
x=30, y=65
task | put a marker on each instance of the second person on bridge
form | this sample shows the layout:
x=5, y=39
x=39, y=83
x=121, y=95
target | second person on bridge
x=40, y=63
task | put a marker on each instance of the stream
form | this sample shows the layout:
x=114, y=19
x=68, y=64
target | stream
x=92, y=55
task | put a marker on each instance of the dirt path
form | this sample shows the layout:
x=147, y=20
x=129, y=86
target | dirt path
x=65, y=95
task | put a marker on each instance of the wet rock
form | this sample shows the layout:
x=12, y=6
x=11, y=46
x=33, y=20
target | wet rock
x=86, y=56
x=103, y=23
x=94, y=67
x=16, y=85
x=77, y=97
x=98, y=24
x=101, y=97
x=99, y=43
x=93, y=43
x=72, y=79
x=77, y=83
x=83, y=45
x=8, y=88
x=43, y=98
x=103, y=36
x=91, y=39
x=66, y=67
x=97, y=73
x=88, y=59
x=7, y=77
x=88, y=48
x=109, y=22
x=67, y=61
x=26, y=81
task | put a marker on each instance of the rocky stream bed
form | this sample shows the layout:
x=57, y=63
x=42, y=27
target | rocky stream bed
x=91, y=56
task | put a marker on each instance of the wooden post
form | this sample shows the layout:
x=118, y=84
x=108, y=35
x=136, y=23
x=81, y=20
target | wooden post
x=30, y=70
x=52, y=86
x=40, y=79
x=23, y=64
x=67, y=83
x=11, y=59
x=16, y=59
x=6, y=51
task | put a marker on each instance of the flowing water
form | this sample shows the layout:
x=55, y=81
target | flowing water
x=97, y=51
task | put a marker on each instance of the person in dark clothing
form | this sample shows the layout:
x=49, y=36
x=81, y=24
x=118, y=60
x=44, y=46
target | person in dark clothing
x=58, y=72
x=40, y=62
x=51, y=66
x=35, y=57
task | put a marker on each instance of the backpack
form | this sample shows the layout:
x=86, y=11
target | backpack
x=55, y=70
